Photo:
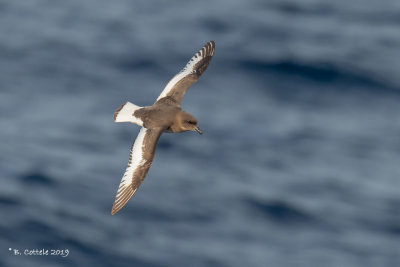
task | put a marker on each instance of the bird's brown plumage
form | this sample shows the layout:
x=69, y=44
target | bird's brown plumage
x=164, y=115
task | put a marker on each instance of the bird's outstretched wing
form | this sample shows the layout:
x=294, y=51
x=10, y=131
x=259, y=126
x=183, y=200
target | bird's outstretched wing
x=140, y=159
x=179, y=84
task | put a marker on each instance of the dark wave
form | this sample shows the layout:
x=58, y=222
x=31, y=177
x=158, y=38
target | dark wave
x=37, y=178
x=33, y=225
x=323, y=73
x=146, y=214
x=9, y=201
x=132, y=64
x=299, y=9
x=280, y=211
x=214, y=24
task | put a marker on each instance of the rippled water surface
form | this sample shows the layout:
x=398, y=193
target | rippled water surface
x=298, y=164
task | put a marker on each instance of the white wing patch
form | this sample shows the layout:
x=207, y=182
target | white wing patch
x=125, y=114
x=187, y=70
x=136, y=160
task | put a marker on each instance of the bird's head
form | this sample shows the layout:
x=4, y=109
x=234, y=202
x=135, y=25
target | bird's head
x=189, y=123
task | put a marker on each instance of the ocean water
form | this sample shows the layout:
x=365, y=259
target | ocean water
x=298, y=164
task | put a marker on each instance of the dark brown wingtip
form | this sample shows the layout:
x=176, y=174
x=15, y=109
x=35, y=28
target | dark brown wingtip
x=209, y=49
x=115, y=209
x=119, y=203
x=206, y=53
x=212, y=43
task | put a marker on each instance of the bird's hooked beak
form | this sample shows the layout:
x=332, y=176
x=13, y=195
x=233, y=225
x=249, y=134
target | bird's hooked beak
x=197, y=129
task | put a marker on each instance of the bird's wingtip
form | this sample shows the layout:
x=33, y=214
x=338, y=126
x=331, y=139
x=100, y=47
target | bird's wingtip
x=114, y=211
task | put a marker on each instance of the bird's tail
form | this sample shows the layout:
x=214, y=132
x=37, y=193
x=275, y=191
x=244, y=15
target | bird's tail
x=125, y=114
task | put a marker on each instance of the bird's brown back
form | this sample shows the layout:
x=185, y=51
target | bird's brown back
x=162, y=114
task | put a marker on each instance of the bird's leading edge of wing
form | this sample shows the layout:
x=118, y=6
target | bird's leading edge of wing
x=140, y=158
x=179, y=84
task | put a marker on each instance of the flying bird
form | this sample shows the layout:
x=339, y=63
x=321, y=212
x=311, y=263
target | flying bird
x=165, y=115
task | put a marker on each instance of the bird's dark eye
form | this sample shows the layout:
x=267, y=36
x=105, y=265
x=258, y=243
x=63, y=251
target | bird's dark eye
x=191, y=122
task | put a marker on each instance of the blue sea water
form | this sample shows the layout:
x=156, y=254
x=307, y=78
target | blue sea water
x=298, y=164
